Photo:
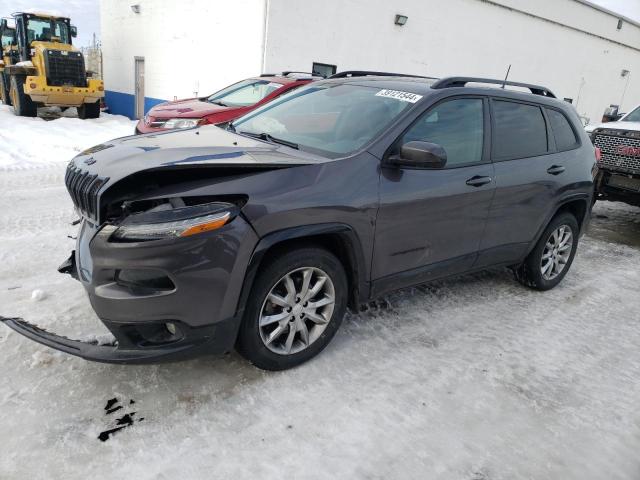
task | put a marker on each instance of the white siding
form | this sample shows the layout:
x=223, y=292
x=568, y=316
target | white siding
x=188, y=46
x=566, y=52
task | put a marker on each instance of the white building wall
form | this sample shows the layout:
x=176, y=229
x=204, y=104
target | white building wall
x=574, y=50
x=188, y=46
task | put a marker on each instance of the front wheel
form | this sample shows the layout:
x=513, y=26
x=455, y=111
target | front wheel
x=550, y=260
x=4, y=91
x=295, y=308
x=23, y=106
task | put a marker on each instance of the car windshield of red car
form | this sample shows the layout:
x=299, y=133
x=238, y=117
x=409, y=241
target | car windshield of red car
x=244, y=93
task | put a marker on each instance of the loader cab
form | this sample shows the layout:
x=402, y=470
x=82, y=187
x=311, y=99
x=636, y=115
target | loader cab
x=41, y=28
x=7, y=42
x=7, y=35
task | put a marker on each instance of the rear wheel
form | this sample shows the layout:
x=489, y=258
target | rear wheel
x=23, y=106
x=550, y=260
x=296, y=306
x=89, y=110
x=4, y=91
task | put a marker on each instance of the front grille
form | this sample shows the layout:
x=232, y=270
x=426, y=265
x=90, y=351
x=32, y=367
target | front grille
x=83, y=189
x=65, y=69
x=614, y=160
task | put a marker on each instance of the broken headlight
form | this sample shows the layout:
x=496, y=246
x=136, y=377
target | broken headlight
x=157, y=224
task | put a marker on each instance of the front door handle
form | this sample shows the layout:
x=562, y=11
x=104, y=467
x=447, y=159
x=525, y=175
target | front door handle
x=555, y=169
x=478, y=181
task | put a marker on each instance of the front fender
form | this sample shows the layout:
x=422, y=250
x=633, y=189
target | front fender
x=357, y=270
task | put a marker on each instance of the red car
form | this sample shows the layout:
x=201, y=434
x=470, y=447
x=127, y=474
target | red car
x=223, y=106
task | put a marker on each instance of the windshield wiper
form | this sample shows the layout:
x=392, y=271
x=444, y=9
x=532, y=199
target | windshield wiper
x=270, y=138
x=219, y=103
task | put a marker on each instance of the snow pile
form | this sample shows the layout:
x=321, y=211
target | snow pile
x=38, y=295
x=35, y=142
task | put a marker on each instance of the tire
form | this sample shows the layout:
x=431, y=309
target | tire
x=89, y=110
x=4, y=91
x=256, y=344
x=23, y=106
x=530, y=273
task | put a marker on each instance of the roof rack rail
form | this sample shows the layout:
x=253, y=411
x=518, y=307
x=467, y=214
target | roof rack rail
x=289, y=72
x=462, y=81
x=365, y=73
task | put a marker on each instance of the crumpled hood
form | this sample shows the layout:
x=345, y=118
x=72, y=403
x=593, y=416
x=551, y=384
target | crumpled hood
x=190, y=108
x=207, y=146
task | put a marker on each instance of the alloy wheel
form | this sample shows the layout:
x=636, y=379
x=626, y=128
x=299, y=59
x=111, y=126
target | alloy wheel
x=297, y=310
x=557, y=252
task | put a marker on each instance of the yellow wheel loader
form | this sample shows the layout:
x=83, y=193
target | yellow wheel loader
x=7, y=40
x=42, y=68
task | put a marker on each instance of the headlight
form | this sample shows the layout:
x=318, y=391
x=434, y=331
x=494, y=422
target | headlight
x=178, y=222
x=183, y=122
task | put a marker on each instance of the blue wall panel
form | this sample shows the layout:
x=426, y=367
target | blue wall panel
x=124, y=103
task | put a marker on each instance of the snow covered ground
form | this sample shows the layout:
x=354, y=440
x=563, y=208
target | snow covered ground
x=474, y=378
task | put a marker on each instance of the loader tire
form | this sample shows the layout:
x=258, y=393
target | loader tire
x=23, y=106
x=89, y=110
x=4, y=91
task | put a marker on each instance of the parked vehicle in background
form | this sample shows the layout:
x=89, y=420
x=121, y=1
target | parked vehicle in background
x=260, y=235
x=611, y=115
x=42, y=68
x=7, y=45
x=223, y=106
x=619, y=164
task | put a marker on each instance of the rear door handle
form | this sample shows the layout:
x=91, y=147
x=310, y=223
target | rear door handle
x=555, y=169
x=478, y=181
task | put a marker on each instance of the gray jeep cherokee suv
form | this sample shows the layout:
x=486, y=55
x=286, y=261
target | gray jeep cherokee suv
x=260, y=235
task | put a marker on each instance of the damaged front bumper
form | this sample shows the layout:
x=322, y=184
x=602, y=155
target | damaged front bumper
x=202, y=342
x=190, y=311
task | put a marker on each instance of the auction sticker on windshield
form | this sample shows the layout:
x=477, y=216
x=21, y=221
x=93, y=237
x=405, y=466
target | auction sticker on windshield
x=399, y=95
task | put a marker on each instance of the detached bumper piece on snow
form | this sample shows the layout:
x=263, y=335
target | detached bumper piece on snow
x=136, y=344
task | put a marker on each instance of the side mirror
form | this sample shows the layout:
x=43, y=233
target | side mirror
x=420, y=155
x=74, y=31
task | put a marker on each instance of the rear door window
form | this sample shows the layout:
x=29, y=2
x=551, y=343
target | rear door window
x=563, y=133
x=519, y=130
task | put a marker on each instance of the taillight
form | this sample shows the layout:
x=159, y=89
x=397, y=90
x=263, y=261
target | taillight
x=598, y=154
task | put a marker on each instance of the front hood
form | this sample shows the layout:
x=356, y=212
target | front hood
x=633, y=126
x=191, y=108
x=205, y=147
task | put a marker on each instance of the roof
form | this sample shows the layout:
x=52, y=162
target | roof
x=278, y=78
x=39, y=14
x=422, y=86
x=608, y=12
x=419, y=85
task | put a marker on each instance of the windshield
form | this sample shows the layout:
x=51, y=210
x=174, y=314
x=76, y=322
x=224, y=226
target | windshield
x=244, y=94
x=332, y=120
x=634, y=116
x=47, y=29
x=8, y=37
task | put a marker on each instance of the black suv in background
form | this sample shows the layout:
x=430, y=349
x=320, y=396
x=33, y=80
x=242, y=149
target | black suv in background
x=260, y=235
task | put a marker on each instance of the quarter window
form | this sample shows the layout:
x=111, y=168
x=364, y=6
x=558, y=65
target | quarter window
x=457, y=126
x=562, y=131
x=519, y=131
